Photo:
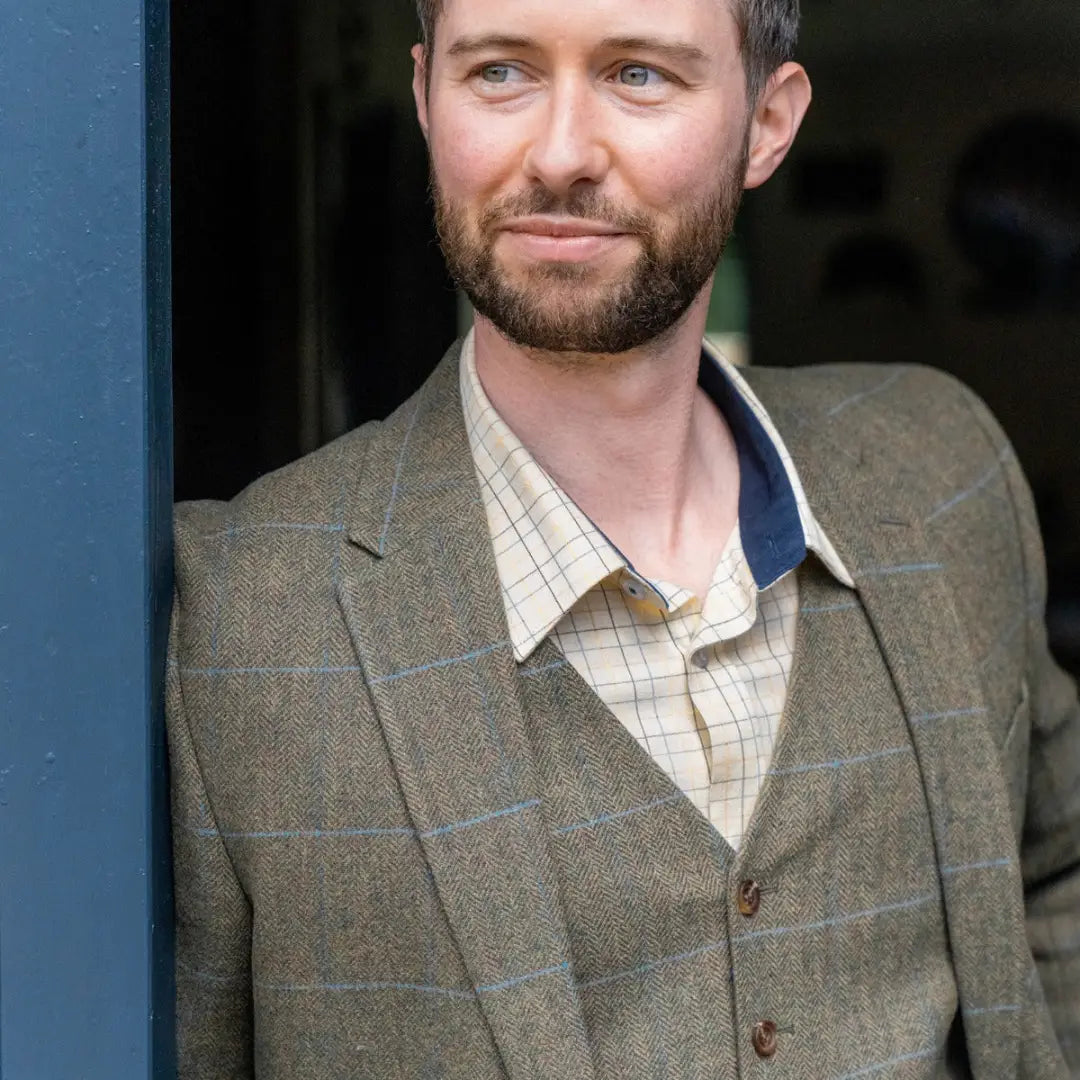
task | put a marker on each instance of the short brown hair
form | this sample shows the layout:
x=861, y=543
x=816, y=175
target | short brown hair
x=768, y=28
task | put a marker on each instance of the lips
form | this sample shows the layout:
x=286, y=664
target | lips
x=563, y=247
x=550, y=239
x=562, y=228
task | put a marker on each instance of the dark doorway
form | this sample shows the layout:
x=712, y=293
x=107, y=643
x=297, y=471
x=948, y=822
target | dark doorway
x=309, y=294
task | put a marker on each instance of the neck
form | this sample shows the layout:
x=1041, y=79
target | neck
x=631, y=439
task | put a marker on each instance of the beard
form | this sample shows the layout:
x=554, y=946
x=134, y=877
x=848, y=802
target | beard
x=567, y=307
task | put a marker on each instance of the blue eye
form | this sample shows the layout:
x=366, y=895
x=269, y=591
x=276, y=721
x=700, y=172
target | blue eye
x=638, y=75
x=496, y=74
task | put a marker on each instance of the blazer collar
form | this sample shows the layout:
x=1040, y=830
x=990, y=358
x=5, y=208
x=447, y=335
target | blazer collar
x=418, y=468
x=420, y=595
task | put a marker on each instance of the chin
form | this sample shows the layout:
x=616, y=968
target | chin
x=539, y=275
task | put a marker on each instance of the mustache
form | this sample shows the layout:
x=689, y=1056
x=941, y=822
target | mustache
x=589, y=205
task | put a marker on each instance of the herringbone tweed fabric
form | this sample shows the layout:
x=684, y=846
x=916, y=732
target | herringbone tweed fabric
x=672, y=975
x=384, y=832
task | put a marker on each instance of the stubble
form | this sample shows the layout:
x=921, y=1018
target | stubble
x=568, y=308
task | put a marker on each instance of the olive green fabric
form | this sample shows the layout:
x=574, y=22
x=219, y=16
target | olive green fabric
x=383, y=866
x=672, y=975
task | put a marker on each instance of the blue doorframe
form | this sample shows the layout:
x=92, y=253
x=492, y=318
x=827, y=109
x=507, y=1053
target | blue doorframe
x=85, y=492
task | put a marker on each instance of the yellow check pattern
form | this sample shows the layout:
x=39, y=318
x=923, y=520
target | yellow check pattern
x=699, y=682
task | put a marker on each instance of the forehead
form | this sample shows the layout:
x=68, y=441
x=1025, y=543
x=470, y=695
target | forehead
x=708, y=24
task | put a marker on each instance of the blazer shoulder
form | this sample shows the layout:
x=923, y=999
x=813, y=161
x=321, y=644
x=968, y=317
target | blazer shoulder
x=853, y=392
x=915, y=420
x=305, y=496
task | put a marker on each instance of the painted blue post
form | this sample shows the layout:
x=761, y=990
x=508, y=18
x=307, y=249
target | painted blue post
x=85, y=487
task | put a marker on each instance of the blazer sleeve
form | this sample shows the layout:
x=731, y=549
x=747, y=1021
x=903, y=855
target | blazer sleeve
x=1051, y=843
x=1050, y=850
x=213, y=915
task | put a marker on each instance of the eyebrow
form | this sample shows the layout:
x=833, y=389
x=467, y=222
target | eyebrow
x=467, y=46
x=674, y=50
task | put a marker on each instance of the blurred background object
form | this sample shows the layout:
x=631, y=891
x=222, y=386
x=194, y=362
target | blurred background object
x=1015, y=212
x=930, y=213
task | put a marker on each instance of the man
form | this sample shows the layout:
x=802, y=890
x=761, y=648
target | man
x=602, y=714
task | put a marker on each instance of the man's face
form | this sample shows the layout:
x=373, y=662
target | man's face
x=588, y=158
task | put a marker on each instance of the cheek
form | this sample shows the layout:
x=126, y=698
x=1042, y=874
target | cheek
x=470, y=157
x=676, y=167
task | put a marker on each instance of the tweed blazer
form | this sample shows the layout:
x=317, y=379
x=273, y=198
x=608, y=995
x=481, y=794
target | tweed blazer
x=348, y=753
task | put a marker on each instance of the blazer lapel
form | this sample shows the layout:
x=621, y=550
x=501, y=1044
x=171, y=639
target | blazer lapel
x=867, y=504
x=420, y=594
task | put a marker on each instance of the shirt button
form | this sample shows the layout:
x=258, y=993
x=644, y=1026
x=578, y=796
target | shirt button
x=749, y=898
x=634, y=589
x=764, y=1039
x=701, y=659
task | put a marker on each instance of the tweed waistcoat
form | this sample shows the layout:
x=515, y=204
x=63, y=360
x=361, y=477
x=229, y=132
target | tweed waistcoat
x=371, y=835
x=672, y=976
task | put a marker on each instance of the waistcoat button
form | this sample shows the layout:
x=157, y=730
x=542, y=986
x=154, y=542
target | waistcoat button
x=749, y=898
x=764, y=1038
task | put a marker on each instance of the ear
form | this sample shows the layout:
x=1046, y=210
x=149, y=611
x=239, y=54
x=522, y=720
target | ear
x=777, y=116
x=420, y=86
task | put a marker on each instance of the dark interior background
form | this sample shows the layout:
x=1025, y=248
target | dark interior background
x=930, y=213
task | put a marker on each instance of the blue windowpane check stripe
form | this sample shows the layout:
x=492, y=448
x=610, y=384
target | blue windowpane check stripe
x=608, y=818
x=993, y=864
x=855, y=399
x=374, y=832
x=993, y=1010
x=894, y=571
x=350, y=669
x=839, y=920
x=604, y=980
x=902, y=1059
x=842, y=763
x=949, y=714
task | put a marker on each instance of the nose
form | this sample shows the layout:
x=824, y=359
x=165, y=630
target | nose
x=569, y=146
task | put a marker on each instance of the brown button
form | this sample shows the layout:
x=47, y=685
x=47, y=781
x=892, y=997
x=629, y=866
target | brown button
x=749, y=898
x=764, y=1038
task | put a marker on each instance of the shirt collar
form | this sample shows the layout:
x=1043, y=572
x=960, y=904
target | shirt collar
x=549, y=554
x=775, y=519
